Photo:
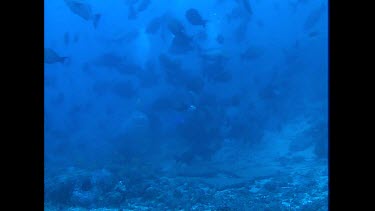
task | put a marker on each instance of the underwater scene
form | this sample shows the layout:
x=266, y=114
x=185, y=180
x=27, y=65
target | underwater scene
x=215, y=105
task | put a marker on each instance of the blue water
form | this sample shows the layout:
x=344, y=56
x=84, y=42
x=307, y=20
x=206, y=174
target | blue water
x=149, y=108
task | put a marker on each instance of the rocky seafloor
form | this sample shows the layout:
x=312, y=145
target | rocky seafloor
x=299, y=187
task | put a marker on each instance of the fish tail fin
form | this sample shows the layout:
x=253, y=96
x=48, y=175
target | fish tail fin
x=64, y=59
x=96, y=20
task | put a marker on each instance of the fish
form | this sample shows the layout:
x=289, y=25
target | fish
x=50, y=81
x=234, y=14
x=168, y=63
x=240, y=33
x=219, y=1
x=201, y=36
x=260, y=23
x=66, y=38
x=220, y=39
x=173, y=100
x=313, y=34
x=126, y=37
x=296, y=4
x=172, y=69
x=154, y=25
x=194, y=83
x=50, y=56
x=213, y=55
x=292, y=54
x=109, y=60
x=143, y=5
x=76, y=38
x=132, y=14
x=234, y=100
x=215, y=72
x=100, y=87
x=178, y=77
x=83, y=10
x=130, y=2
x=124, y=89
x=314, y=17
x=176, y=27
x=59, y=99
x=129, y=68
x=252, y=53
x=181, y=44
x=86, y=68
x=133, y=10
x=221, y=76
x=148, y=77
x=247, y=6
x=194, y=17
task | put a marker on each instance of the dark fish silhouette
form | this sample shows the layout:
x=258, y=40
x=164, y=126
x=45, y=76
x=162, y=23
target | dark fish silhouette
x=143, y=5
x=212, y=55
x=173, y=100
x=148, y=77
x=181, y=44
x=50, y=81
x=132, y=14
x=313, y=34
x=169, y=63
x=215, y=72
x=66, y=38
x=297, y=3
x=174, y=74
x=131, y=2
x=124, y=89
x=154, y=25
x=314, y=17
x=193, y=16
x=220, y=39
x=100, y=87
x=83, y=10
x=116, y=62
x=175, y=27
x=247, y=6
x=109, y=60
x=240, y=33
x=234, y=14
x=193, y=83
x=177, y=77
x=252, y=53
x=50, y=56
x=133, y=10
x=76, y=38
x=126, y=37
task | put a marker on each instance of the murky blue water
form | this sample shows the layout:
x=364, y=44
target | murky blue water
x=186, y=105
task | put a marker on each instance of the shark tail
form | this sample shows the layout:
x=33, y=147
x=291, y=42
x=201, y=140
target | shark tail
x=63, y=60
